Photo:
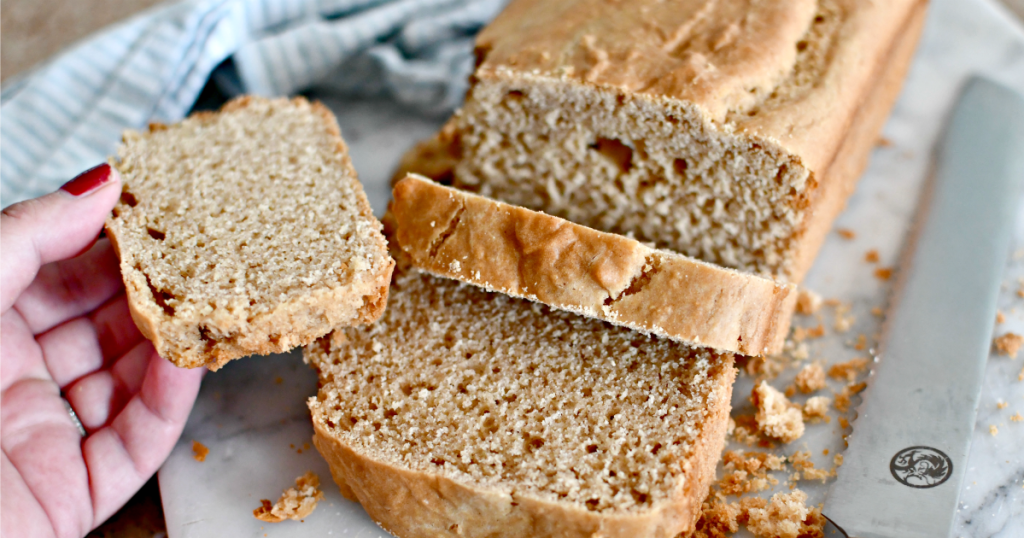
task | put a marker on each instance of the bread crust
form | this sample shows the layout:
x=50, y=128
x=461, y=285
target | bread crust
x=296, y=322
x=416, y=504
x=543, y=258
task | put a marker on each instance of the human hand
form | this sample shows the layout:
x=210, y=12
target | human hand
x=65, y=328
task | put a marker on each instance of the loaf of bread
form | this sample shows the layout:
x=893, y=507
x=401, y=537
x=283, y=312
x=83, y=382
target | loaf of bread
x=464, y=413
x=533, y=255
x=245, y=231
x=729, y=131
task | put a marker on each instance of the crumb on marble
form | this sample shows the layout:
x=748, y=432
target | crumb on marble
x=871, y=256
x=1000, y=317
x=807, y=302
x=1016, y=417
x=776, y=416
x=199, y=451
x=848, y=370
x=1002, y=405
x=1008, y=344
x=993, y=430
x=817, y=407
x=846, y=233
x=883, y=273
x=295, y=503
x=877, y=312
x=810, y=379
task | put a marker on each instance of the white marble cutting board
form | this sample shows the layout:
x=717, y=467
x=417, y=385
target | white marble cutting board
x=252, y=414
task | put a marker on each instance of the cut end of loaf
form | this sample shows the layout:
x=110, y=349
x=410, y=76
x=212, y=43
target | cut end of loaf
x=540, y=411
x=654, y=168
x=245, y=231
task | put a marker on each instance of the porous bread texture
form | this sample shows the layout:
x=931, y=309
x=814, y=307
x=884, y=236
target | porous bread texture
x=543, y=258
x=728, y=131
x=467, y=413
x=245, y=231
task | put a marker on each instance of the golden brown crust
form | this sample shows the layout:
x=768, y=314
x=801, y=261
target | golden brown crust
x=296, y=322
x=528, y=254
x=415, y=504
x=840, y=178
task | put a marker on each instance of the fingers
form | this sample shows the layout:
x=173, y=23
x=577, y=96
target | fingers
x=36, y=433
x=20, y=353
x=101, y=395
x=84, y=345
x=124, y=455
x=69, y=288
x=23, y=515
x=54, y=227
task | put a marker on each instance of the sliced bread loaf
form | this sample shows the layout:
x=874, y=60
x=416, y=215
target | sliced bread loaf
x=465, y=413
x=245, y=231
x=730, y=131
x=536, y=256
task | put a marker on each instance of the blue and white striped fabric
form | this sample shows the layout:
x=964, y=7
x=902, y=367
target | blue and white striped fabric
x=69, y=114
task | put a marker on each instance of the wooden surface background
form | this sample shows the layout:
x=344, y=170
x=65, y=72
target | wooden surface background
x=32, y=31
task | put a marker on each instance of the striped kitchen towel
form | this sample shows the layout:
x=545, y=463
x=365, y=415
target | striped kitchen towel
x=69, y=113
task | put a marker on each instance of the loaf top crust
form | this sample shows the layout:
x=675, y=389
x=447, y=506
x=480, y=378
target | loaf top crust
x=529, y=254
x=792, y=72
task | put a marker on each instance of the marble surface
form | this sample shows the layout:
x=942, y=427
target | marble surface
x=252, y=413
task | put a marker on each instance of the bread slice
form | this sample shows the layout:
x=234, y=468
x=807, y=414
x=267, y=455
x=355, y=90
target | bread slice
x=730, y=131
x=245, y=231
x=474, y=414
x=536, y=256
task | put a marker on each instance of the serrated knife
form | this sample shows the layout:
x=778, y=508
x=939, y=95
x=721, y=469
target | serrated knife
x=907, y=454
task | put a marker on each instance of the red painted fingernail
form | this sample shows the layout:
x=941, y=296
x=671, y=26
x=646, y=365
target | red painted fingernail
x=88, y=181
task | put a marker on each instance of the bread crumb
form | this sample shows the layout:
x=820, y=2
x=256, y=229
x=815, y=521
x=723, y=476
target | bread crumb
x=807, y=302
x=801, y=352
x=1020, y=376
x=877, y=311
x=862, y=343
x=883, y=142
x=848, y=370
x=786, y=515
x=843, y=423
x=838, y=460
x=883, y=273
x=810, y=379
x=846, y=233
x=1016, y=417
x=1002, y=405
x=717, y=520
x=842, y=403
x=843, y=318
x=1008, y=344
x=295, y=503
x=199, y=451
x=776, y=416
x=278, y=380
x=800, y=333
x=993, y=430
x=871, y=256
x=817, y=406
x=1000, y=318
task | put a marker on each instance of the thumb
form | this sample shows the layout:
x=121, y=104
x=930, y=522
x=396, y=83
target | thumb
x=54, y=227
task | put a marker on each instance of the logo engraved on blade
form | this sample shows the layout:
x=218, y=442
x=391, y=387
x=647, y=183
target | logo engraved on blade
x=921, y=467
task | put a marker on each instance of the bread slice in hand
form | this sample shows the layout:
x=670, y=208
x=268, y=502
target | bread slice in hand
x=245, y=231
x=528, y=254
x=465, y=413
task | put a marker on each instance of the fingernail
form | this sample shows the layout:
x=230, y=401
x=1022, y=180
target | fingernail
x=88, y=181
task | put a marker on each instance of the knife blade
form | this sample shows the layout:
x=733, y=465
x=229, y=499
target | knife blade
x=907, y=453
